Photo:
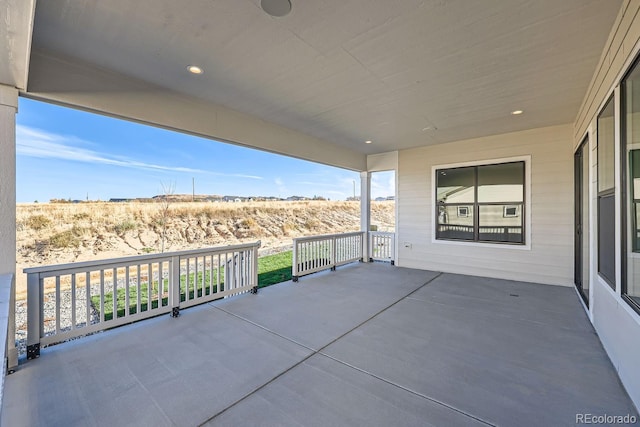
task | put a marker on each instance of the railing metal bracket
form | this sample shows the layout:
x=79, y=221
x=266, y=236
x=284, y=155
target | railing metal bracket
x=254, y=290
x=393, y=262
x=33, y=351
x=333, y=268
x=295, y=278
x=175, y=312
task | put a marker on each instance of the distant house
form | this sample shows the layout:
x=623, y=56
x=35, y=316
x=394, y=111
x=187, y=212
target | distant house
x=119, y=200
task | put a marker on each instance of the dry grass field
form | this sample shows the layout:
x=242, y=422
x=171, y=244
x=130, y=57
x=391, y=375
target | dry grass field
x=65, y=232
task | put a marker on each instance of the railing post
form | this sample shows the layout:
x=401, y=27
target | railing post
x=295, y=262
x=34, y=315
x=254, y=266
x=364, y=247
x=392, y=249
x=12, y=351
x=334, y=253
x=174, y=286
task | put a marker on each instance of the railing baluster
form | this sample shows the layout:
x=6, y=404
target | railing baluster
x=138, y=289
x=149, y=287
x=101, y=296
x=226, y=273
x=87, y=285
x=57, y=304
x=73, y=301
x=115, y=293
x=218, y=274
x=160, y=284
x=187, y=280
x=211, y=275
x=204, y=274
x=126, y=291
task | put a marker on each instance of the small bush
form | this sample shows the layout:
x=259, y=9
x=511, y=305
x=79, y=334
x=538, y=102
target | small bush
x=64, y=239
x=312, y=224
x=124, y=226
x=38, y=222
x=288, y=227
x=81, y=216
x=248, y=223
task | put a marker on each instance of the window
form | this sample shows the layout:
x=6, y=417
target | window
x=630, y=161
x=482, y=203
x=510, y=211
x=606, y=194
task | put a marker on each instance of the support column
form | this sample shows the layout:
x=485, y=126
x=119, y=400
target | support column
x=8, y=109
x=365, y=211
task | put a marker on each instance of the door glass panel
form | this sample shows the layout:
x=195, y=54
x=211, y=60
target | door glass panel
x=585, y=220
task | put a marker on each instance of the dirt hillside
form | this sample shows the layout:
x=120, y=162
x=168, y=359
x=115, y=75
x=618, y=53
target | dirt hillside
x=62, y=233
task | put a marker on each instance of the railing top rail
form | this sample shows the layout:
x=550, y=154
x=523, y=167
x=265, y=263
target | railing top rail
x=113, y=262
x=327, y=236
x=381, y=233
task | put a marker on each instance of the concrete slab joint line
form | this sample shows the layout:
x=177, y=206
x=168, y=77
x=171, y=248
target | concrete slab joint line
x=320, y=352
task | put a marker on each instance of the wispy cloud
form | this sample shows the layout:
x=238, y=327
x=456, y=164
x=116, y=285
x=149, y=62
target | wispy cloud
x=281, y=186
x=383, y=184
x=32, y=142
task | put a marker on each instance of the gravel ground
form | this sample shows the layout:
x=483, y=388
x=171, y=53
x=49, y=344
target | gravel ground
x=50, y=314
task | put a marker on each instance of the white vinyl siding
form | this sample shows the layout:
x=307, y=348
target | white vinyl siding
x=618, y=326
x=551, y=243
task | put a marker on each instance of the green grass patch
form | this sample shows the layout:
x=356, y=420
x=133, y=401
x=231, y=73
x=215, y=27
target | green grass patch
x=272, y=269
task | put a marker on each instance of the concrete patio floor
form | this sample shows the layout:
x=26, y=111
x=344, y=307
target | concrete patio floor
x=367, y=345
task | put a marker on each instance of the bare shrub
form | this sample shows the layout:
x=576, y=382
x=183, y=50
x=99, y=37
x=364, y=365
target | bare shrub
x=64, y=239
x=38, y=222
x=124, y=226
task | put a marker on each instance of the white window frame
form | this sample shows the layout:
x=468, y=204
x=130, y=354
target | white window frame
x=462, y=209
x=506, y=214
x=527, y=203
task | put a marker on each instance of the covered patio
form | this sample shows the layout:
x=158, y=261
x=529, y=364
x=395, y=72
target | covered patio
x=368, y=344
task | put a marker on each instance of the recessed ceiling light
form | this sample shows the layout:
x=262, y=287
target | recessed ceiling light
x=367, y=142
x=194, y=69
x=277, y=8
x=517, y=112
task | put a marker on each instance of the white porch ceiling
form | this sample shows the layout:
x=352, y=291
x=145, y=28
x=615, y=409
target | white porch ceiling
x=341, y=71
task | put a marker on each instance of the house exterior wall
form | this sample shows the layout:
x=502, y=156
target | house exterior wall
x=617, y=324
x=551, y=209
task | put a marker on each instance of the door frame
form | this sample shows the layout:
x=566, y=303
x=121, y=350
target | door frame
x=579, y=219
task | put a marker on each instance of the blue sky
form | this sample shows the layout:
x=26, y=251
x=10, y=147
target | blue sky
x=66, y=153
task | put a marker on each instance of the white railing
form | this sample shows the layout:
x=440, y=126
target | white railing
x=316, y=253
x=71, y=300
x=7, y=308
x=381, y=246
